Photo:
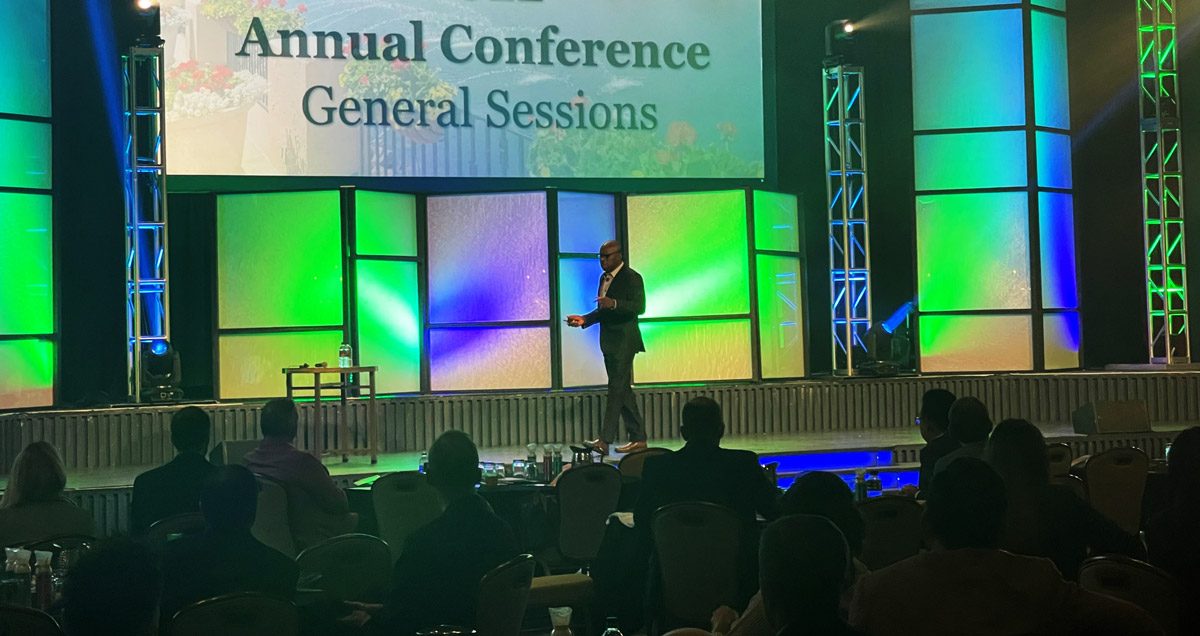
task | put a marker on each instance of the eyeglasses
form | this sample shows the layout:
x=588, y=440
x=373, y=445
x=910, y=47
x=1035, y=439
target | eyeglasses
x=603, y=255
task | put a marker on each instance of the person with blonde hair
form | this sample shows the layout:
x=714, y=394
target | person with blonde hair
x=33, y=507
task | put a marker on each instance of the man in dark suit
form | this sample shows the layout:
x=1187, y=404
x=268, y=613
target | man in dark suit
x=174, y=488
x=620, y=299
x=934, y=421
x=226, y=558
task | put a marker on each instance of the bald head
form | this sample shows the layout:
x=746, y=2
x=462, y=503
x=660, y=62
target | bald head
x=610, y=255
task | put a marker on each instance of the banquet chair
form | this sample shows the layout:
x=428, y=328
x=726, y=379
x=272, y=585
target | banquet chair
x=350, y=567
x=241, y=614
x=271, y=522
x=164, y=531
x=503, y=595
x=1116, y=480
x=1140, y=583
x=403, y=503
x=1060, y=457
x=25, y=621
x=1072, y=483
x=632, y=464
x=893, y=530
x=697, y=544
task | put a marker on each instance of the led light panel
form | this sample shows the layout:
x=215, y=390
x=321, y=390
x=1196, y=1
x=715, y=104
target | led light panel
x=251, y=365
x=694, y=351
x=385, y=224
x=389, y=324
x=959, y=344
x=26, y=264
x=468, y=359
x=28, y=373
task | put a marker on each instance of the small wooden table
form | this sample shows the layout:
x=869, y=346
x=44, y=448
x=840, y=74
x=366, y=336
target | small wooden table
x=343, y=386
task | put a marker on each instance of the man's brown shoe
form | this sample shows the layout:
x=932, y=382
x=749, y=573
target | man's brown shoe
x=632, y=447
x=598, y=446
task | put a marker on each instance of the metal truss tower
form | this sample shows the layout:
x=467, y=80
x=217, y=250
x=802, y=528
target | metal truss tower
x=1162, y=184
x=147, y=312
x=849, y=234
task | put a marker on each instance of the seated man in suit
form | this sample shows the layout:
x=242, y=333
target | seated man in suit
x=174, y=487
x=437, y=577
x=226, y=558
x=703, y=471
x=967, y=585
x=934, y=421
x=316, y=506
x=970, y=426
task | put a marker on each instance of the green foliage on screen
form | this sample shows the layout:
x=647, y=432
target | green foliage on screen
x=26, y=264
x=251, y=365
x=25, y=161
x=279, y=260
x=973, y=251
x=695, y=350
x=692, y=251
x=385, y=224
x=25, y=66
x=776, y=222
x=28, y=373
x=389, y=323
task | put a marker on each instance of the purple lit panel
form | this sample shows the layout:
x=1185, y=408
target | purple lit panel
x=463, y=359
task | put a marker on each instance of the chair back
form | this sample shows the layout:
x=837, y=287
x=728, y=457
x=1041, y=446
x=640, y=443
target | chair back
x=632, y=464
x=271, y=523
x=351, y=567
x=241, y=614
x=1116, y=479
x=587, y=495
x=698, y=545
x=181, y=525
x=403, y=503
x=893, y=530
x=503, y=595
x=25, y=621
x=1072, y=483
x=1139, y=583
x=1060, y=457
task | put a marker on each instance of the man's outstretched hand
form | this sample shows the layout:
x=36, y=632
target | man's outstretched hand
x=575, y=321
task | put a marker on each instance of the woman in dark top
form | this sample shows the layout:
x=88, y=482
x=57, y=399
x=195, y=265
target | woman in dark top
x=33, y=507
x=1046, y=520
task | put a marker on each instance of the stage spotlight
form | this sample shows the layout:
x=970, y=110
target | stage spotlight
x=848, y=27
x=889, y=344
x=160, y=372
x=837, y=31
x=146, y=6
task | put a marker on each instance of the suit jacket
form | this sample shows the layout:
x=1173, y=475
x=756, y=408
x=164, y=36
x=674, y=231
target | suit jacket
x=437, y=577
x=171, y=489
x=619, y=331
x=222, y=561
x=731, y=478
x=934, y=451
x=985, y=592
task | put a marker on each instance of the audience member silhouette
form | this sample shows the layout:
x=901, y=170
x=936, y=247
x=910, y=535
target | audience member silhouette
x=967, y=585
x=970, y=426
x=934, y=422
x=703, y=471
x=317, y=508
x=113, y=591
x=820, y=494
x=226, y=558
x=33, y=507
x=174, y=487
x=1173, y=535
x=1045, y=520
x=437, y=577
x=803, y=562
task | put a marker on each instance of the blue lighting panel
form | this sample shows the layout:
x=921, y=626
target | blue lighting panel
x=585, y=221
x=1057, y=220
x=1053, y=160
x=1051, y=83
x=582, y=362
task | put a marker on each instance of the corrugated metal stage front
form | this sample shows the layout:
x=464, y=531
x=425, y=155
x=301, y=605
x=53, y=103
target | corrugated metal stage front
x=112, y=438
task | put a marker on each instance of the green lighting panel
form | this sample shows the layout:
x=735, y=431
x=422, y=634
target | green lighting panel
x=389, y=323
x=385, y=224
x=694, y=351
x=776, y=222
x=968, y=69
x=25, y=68
x=279, y=260
x=25, y=162
x=28, y=376
x=251, y=365
x=958, y=344
x=691, y=249
x=963, y=161
x=973, y=251
x=1051, y=81
x=780, y=316
x=1057, y=5
x=26, y=264
x=921, y=5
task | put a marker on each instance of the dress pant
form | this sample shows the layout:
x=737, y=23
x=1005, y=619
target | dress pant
x=620, y=400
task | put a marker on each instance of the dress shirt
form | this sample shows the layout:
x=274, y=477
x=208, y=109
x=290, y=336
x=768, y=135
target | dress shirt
x=607, y=279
